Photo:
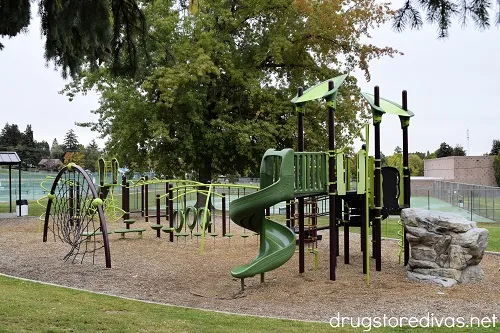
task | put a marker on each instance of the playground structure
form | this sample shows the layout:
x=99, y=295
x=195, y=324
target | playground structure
x=300, y=179
x=74, y=213
x=319, y=174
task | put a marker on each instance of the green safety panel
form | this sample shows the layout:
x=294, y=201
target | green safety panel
x=341, y=174
x=386, y=106
x=361, y=174
x=311, y=173
x=320, y=90
x=277, y=242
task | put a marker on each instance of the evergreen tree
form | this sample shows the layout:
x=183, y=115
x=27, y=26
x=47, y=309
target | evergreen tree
x=10, y=137
x=442, y=12
x=82, y=33
x=27, y=137
x=70, y=143
x=495, y=147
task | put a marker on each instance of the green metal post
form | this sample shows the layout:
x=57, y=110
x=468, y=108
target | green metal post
x=377, y=234
x=332, y=187
x=300, y=148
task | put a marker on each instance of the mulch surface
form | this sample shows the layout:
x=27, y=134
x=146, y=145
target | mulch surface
x=155, y=269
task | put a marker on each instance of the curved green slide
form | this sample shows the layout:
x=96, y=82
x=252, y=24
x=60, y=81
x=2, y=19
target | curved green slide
x=277, y=242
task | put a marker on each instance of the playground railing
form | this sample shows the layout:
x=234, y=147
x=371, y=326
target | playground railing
x=311, y=172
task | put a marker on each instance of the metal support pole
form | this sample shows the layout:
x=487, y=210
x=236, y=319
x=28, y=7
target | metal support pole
x=223, y=214
x=287, y=214
x=300, y=134
x=377, y=232
x=146, y=200
x=10, y=188
x=346, y=232
x=171, y=211
x=332, y=188
x=406, y=171
x=158, y=209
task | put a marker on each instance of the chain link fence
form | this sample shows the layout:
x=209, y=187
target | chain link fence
x=478, y=200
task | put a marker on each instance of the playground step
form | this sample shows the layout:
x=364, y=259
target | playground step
x=167, y=229
x=156, y=226
x=124, y=231
x=129, y=221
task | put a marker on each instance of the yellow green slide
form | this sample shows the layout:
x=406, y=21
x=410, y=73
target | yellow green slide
x=277, y=242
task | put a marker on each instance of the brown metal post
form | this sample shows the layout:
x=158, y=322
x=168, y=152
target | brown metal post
x=405, y=122
x=158, y=203
x=71, y=204
x=346, y=232
x=142, y=199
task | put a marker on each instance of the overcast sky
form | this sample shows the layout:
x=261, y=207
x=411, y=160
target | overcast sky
x=452, y=87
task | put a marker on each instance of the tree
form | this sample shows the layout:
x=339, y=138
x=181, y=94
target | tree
x=441, y=12
x=26, y=148
x=444, y=150
x=42, y=150
x=74, y=157
x=458, y=151
x=70, y=143
x=416, y=165
x=56, y=151
x=27, y=137
x=82, y=33
x=10, y=137
x=495, y=147
x=92, y=154
x=421, y=155
x=218, y=94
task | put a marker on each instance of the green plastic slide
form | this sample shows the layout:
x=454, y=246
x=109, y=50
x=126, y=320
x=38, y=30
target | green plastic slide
x=277, y=242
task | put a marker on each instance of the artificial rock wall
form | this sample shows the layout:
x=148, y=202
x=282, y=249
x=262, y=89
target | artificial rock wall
x=445, y=248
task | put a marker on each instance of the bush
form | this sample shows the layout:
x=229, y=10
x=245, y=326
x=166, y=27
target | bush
x=496, y=168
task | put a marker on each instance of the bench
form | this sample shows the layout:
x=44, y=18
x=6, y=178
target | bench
x=124, y=231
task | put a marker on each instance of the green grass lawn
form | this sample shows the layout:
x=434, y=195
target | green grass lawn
x=33, y=307
x=34, y=209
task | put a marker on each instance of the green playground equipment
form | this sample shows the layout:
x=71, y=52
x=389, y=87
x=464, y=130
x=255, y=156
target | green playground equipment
x=316, y=174
x=277, y=242
x=108, y=180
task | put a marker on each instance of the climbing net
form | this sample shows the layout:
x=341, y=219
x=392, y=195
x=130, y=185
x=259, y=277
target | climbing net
x=74, y=214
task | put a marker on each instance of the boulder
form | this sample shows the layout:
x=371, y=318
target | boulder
x=445, y=248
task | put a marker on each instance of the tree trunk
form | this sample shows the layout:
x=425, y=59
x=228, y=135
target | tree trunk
x=205, y=176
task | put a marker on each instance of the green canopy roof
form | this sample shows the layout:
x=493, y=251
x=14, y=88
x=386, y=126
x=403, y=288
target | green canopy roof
x=387, y=106
x=320, y=90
